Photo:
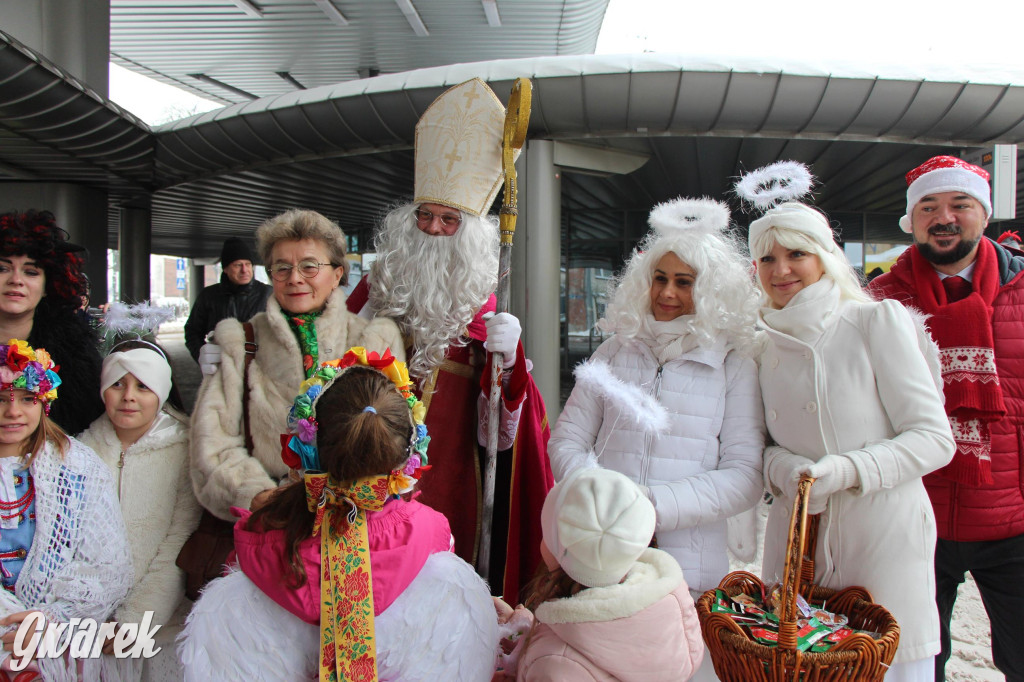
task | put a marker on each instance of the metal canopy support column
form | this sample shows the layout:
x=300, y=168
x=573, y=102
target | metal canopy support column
x=536, y=266
x=134, y=242
x=197, y=281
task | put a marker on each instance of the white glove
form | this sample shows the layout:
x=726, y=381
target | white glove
x=784, y=471
x=503, y=332
x=209, y=358
x=833, y=473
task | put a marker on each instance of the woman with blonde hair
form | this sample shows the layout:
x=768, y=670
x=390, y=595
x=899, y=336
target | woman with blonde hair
x=852, y=397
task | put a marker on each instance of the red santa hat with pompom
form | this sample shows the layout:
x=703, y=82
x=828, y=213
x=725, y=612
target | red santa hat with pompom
x=946, y=174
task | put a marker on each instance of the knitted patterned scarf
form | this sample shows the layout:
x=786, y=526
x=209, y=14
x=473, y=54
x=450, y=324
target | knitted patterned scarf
x=963, y=330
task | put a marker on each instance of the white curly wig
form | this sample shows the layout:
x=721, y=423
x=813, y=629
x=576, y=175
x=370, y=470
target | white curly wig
x=432, y=286
x=724, y=297
x=833, y=260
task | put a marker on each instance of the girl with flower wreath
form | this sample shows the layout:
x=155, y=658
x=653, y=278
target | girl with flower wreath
x=341, y=576
x=63, y=551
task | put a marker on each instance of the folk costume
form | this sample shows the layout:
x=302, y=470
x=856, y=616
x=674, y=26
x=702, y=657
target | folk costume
x=975, y=317
x=384, y=598
x=62, y=540
x=466, y=121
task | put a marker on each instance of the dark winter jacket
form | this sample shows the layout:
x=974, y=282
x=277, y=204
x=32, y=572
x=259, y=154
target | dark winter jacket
x=71, y=342
x=989, y=512
x=219, y=301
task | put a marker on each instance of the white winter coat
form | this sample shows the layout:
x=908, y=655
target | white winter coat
x=704, y=469
x=159, y=508
x=223, y=472
x=848, y=378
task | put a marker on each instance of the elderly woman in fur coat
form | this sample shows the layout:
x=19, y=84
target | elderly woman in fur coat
x=306, y=322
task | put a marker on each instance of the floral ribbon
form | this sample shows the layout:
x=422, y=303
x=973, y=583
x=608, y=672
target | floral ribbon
x=348, y=652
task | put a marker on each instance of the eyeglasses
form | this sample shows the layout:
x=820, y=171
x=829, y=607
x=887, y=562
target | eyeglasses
x=307, y=268
x=447, y=219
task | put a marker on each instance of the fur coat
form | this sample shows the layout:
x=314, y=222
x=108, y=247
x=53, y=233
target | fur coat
x=159, y=508
x=224, y=473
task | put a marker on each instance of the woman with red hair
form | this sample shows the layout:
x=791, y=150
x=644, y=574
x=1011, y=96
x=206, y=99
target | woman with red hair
x=41, y=289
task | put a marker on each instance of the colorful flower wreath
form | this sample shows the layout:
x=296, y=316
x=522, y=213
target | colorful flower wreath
x=32, y=370
x=298, y=446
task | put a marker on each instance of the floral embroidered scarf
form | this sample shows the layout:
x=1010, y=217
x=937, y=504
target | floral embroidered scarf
x=304, y=328
x=347, y=649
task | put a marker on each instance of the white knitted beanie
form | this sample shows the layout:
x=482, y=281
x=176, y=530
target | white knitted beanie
x=596, y=523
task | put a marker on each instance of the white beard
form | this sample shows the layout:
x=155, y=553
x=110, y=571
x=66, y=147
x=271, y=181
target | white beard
x=432, y=286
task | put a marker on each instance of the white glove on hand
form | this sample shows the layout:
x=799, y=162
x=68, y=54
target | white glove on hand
x=833, y=473
x=503, y=332
x=784, y=471
x=209, y=358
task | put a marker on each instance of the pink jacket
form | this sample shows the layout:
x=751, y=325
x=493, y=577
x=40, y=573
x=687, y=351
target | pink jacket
x=643, y=629
x=402, y=536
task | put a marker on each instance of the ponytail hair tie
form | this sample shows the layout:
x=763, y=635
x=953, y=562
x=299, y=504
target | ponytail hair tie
x=369, y=408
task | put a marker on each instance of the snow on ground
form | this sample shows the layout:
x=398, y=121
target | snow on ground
x=972, y=639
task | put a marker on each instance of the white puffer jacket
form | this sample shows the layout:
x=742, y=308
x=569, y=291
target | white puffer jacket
x=705, y=468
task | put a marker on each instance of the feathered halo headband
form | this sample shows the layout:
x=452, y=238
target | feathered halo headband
x=776, y=190
x=298, y=446
x=776, y=183
x=138, y=320
x=705, y=215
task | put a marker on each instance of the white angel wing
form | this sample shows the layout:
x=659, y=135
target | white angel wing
x=442, y=627
x=236, y=632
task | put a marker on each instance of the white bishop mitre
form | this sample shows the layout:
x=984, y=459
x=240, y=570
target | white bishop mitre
x=458, y=149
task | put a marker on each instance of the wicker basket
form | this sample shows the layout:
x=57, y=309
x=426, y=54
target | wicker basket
x=738, y=658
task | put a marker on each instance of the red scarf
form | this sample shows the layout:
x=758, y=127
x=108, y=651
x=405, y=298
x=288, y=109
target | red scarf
x=963, y=330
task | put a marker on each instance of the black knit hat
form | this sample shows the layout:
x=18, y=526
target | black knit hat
x=235, y=248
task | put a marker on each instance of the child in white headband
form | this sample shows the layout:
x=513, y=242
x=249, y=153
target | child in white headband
x=143, y=439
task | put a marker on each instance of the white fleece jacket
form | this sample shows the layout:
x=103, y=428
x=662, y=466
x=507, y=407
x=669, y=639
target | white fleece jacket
x=159, y=508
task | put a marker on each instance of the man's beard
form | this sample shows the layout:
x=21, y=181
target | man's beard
x=432, y=286
x=958, y=253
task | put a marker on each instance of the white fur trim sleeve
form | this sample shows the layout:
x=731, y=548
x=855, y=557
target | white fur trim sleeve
x=79, y=564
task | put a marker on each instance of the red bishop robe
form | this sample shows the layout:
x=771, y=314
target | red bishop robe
x=454, y=484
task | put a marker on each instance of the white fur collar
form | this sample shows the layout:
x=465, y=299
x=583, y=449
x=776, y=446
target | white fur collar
x=654, y=575
x=166, y=430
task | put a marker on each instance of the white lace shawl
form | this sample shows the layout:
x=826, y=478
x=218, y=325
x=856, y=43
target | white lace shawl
x=79, y=564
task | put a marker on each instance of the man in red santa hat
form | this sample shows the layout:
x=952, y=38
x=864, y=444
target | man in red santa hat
x=435, y=274
x=973, y=291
